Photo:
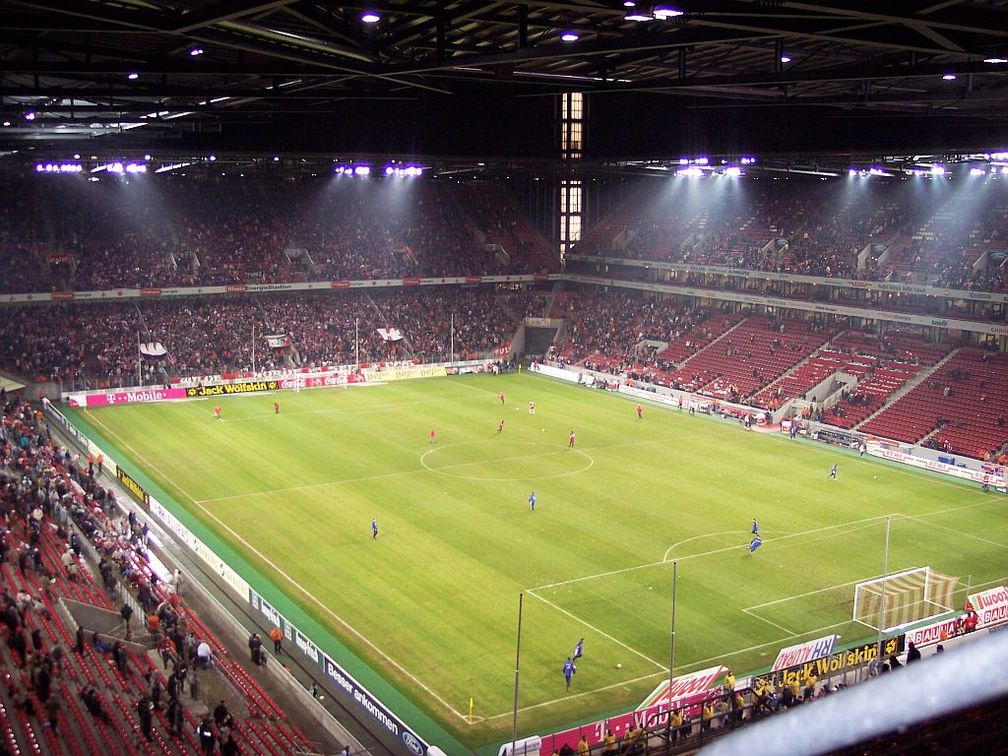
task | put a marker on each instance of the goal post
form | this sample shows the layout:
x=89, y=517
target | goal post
x=903, y=597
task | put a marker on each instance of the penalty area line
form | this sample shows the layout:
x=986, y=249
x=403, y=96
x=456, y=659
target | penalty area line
x=769, y=622
x=712, y=552
x=572, y=696
x=591, y=627
x=310, y=596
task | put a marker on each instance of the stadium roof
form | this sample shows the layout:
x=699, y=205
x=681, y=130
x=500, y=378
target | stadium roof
x=475, y=76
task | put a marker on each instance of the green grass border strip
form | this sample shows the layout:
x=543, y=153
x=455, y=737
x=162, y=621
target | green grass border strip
x=327, y=642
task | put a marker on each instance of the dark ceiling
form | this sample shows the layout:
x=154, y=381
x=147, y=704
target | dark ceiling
x=475, y=77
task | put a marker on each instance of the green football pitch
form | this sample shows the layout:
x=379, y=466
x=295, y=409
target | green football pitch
x=432, y=604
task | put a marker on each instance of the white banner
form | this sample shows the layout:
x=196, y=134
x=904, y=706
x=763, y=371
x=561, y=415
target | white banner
x=991, y=606
x=801, y=653
x=878, y=449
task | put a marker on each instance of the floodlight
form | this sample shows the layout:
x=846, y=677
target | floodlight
x=570, y=36
x=665, y=12
x=733, y=171
x=949, y=77
x=692, y=172
x=995, y=60
x=937, y=170
x=638, y=15
x=196, y=51
x=785, y=58
x=977, y=171
x=30, y=115
x=362, y=170
x=370, y=17
x=132, y=76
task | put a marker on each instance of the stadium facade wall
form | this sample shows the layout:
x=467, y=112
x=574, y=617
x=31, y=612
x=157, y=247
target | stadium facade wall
x=972, y=326
x=846, y=283
x=166, y=292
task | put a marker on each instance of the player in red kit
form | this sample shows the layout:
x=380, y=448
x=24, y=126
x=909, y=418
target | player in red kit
x=500, y=426
x=432, y=435
x=500, y=398
x=216, y=412
x=276, y=408
x=570, y=440
x=640, y=412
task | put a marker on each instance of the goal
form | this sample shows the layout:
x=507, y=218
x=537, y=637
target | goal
x=908, y=596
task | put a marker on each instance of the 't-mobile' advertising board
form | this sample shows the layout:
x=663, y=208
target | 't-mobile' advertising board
x=686, y=694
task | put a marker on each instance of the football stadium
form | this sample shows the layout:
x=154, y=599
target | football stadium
x=486, y=378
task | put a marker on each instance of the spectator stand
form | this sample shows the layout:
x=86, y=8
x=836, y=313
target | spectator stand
x=260, y=725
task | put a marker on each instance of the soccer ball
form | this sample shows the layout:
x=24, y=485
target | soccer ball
x=619, y=665
x=543, y=430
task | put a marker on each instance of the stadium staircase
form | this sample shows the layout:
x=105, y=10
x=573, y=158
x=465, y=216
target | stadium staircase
x=598, y=240
x=808, y=373
x=965, y=400
x=682, y=364
x=906, y=388
x=752, y=362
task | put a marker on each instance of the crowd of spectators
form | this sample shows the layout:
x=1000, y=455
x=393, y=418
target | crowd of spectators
x=950, y=236
x=49, y=494
x=495, y=216
x=99, y=344
x=65, y=233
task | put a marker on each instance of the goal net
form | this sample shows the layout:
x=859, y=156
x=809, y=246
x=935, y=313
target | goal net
x=903, y=597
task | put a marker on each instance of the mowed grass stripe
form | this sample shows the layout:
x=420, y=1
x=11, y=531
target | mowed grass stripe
x=438, y=591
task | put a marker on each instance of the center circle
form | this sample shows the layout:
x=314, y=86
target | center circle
x=495, y=461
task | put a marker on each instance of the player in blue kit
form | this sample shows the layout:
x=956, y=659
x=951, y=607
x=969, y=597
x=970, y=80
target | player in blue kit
x=754, y=544
x=834, y=470
x=532, y=501
x=568, y=671
x=755, y=527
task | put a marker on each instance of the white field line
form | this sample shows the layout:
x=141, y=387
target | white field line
x=297, y=586
x=308, y=486
x=700, y=662
x=958, y=532
x=382, y=476
x=677, y=544
x=665, y=560
x=600, y=632
x=751, y=609
x=423, y=469
x=348, y=410
x=862, y=523
x=573, y=696
x=769, y=622
x=803, y=595
x=961, y=485
x=791, y=635
x=694, y=665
